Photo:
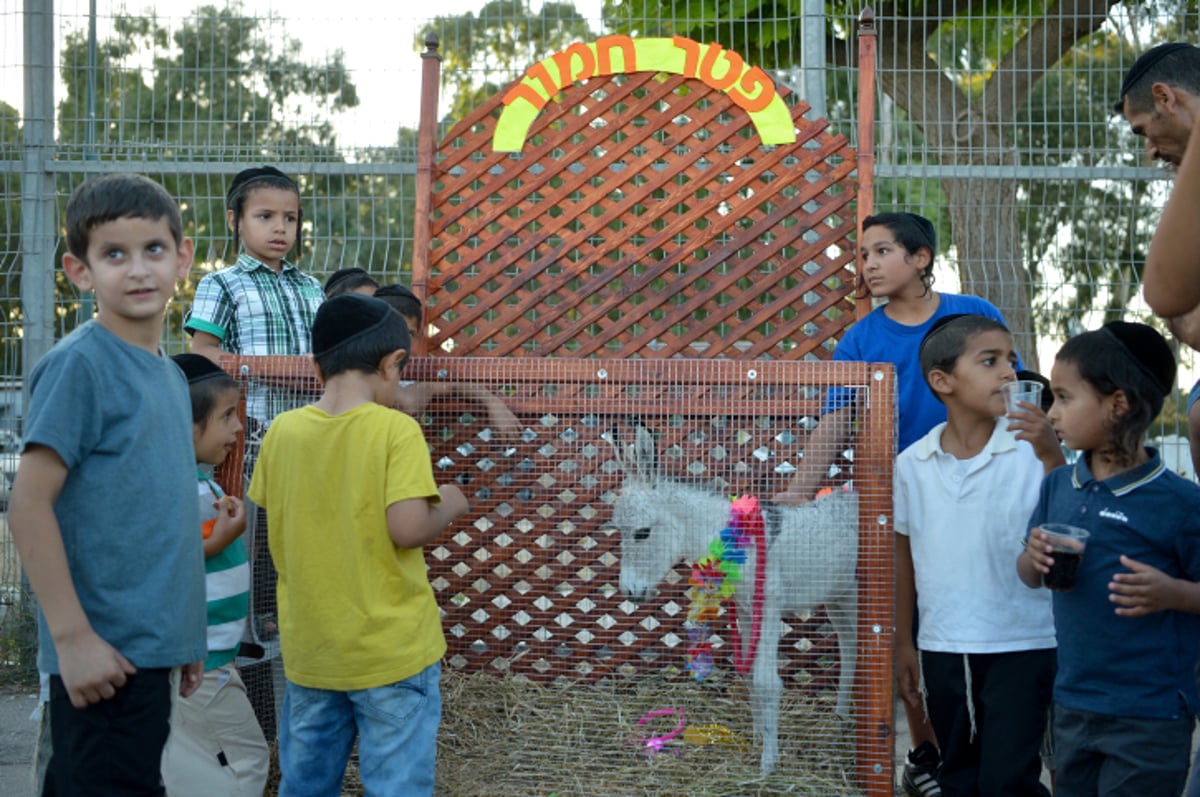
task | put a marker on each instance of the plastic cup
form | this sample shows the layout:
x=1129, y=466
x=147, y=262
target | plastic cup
x=1068, y=543
x=1021, y=390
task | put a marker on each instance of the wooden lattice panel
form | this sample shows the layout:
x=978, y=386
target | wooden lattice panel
x=643, y=219
x=528, y=580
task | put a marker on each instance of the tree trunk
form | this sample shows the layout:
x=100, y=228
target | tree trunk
x=990, y=264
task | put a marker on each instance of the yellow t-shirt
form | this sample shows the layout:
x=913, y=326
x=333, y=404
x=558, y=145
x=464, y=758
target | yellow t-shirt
x=355, y=611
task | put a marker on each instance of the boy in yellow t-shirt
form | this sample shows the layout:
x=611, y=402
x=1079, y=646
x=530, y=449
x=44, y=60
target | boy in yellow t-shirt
x=349, y=487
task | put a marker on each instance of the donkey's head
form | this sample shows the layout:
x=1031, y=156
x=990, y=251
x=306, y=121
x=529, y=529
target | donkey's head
x=648, y=514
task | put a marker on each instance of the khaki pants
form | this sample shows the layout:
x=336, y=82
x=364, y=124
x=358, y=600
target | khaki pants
x=216, y=745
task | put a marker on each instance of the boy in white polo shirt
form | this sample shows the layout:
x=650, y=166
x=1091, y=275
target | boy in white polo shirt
x=964, y=493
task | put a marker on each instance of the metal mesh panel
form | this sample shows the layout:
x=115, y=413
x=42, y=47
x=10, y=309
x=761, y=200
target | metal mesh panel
x=537, y=582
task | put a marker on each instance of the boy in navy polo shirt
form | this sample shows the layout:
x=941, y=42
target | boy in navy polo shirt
x=1128, y=631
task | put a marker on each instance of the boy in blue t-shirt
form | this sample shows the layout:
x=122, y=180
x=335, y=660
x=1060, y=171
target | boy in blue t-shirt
x=103, y=500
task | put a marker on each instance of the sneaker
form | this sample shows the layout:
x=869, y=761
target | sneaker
x=920, y=772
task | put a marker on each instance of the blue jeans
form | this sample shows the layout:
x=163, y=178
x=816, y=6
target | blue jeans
x=397, y=737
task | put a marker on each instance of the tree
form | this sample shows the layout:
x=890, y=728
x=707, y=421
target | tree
x=482, y=53
x=961, y=72
x=216, y=89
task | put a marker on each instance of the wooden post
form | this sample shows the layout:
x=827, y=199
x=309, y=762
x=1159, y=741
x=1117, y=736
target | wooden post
x=874, y=693
x=866, y=132
x=431, y=72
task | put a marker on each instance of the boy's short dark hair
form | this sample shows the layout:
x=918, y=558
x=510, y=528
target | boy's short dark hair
x=947, y=340
x=347, y=280
x=402, y=300
x=353, y=332
x=206, y=381
x=909, y=229
x=117, y=196
x=1130, y=357
x=1047, y=400
x=1176, y=64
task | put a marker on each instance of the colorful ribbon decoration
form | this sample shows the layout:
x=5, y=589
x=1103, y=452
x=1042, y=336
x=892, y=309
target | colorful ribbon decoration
x=715, y=578
x=654, y=744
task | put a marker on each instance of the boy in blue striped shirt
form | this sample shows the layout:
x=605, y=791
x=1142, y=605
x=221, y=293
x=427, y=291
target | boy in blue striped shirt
x=216, y=745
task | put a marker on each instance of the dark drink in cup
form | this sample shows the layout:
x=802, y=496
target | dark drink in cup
x=1062, y=573
x=1068, y=543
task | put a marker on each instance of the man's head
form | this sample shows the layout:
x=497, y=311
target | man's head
x=1154, y=98
x=358, y=333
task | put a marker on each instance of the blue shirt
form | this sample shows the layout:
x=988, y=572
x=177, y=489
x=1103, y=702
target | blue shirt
x=879, y=339
x=1125, y=666
x=120, y=419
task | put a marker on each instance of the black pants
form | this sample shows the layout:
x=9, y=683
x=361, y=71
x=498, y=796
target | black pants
x=1009, y=694
x=113, y=747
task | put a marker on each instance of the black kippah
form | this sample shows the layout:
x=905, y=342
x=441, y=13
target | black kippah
x=342, y=274
x=246, y=175
x=344, y=318
x=396, y=289
x=197, y=367
x=938, y=326
x=926, y=227
x=1146, y=60
x=1148, y=350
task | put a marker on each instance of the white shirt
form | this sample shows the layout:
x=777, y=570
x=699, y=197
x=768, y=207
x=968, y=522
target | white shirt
x=965, y=526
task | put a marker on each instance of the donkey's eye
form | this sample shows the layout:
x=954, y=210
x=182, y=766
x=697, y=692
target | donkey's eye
x=642, y=533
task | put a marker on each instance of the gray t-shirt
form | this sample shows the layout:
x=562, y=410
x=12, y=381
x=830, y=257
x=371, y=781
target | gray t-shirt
x=120, y=418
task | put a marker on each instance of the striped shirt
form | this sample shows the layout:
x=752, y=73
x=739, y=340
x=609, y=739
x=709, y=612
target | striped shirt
x=254, y=311
x=226, y=584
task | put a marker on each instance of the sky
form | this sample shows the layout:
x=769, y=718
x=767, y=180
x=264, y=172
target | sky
x=377, y=39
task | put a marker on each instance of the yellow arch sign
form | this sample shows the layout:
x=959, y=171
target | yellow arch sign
x=749, y=87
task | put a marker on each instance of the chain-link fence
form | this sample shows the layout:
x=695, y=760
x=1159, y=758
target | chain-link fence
x=994, y=121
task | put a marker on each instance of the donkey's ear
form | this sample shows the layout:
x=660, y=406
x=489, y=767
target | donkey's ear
x=643, y=454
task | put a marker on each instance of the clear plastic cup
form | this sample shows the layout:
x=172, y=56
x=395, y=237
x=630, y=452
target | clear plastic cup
x=1068, y=543
x=1021, y=390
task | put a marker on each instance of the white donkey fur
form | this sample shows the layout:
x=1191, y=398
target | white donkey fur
x=810, y=563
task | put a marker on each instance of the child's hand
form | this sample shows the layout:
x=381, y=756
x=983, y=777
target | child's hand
x=454, y=503
x=190, y=678
x=231, y=519
x=908, y=675
x=91, y=669
x=1034, y=427
x=1143, y=591
x=500, y=417
x=1039, y=551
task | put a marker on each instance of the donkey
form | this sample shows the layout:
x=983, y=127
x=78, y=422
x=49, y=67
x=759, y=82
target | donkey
x=812, y=553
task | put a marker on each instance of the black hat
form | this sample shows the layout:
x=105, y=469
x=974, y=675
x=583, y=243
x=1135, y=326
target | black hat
x=1147, y=349
x=1145, y=61
x=343, y=274
x=346, y=317
x=197, y=367
x=396, y=289
x=256, y=173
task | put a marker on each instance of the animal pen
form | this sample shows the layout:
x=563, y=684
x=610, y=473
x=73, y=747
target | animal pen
x=610, y=248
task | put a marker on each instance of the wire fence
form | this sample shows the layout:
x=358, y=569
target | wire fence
x=995, y=123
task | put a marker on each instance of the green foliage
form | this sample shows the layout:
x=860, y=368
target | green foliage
x=483, y=52
x=218, y=88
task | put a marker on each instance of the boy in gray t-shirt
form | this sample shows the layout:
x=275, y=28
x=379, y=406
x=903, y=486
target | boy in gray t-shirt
x=103, y=506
